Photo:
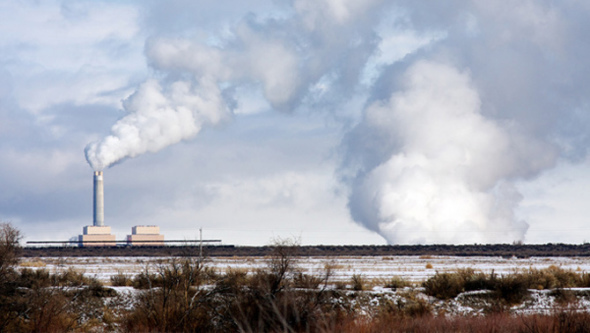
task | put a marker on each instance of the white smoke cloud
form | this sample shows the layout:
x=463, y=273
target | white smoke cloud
x=270, y=54
x=158, y=118
x=448, y=180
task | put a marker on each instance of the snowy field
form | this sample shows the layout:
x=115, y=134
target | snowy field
x=413, y=268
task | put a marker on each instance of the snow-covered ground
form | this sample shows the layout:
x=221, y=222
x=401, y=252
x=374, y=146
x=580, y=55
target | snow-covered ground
x=413, y=268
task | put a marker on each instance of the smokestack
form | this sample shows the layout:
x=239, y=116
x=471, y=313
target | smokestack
x=98, y=199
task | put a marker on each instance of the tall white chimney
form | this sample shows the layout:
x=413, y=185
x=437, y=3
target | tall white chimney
x=98, y=199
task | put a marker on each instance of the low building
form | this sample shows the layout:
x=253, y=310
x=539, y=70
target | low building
x=97, y=236
x=145, y=235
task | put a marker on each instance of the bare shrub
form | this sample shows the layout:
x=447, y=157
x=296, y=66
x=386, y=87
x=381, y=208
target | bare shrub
x=233, y=281
x=358, y=282
x=410, y=304
x=564, y=297
x=9, y=249
x=49, y=310
x=271, y=301
x=305, y=281
x=121, y=280
x=41, y=302
x=146, y=280
x=71, y=278
x=477, y=280
x=571, y=321
x=444, y=285
x=512, y=288
x=340, y=285
x=397, y=283
x=281, y=263
x=171, y=302
x=34, y=278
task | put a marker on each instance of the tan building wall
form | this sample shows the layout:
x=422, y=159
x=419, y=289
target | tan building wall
x=152, y=240
x=97, y=230
x=145, y=230
x=97, y=240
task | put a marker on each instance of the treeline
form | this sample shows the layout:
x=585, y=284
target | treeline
x=504, y=250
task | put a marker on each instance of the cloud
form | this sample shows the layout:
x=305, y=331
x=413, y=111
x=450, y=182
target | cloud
x=67, y=51
x=452, y=105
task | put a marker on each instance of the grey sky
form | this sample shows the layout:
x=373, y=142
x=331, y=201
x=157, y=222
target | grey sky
x=333, y=121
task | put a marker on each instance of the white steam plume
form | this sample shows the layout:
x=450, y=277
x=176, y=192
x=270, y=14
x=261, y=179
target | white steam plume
x=447, y=177
x=158, y=118
x=282, y=63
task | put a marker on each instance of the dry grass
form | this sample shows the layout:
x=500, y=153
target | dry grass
x=508, y=289
x=35, y=263
x=565, y=321
x=397, y=283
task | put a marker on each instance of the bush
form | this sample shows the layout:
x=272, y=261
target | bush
x=146, y=280
x=170, y=301
x=71, y=278
x=358, y=282
x=444, y=285
x=512, y=288
x=408, y=305
x=9, y=250
x=34, y=278
x=233, y=281
x=397, y=283
x=305, y=281
x=121, y=280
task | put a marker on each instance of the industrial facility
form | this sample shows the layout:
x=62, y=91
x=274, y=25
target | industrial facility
x=99, y=234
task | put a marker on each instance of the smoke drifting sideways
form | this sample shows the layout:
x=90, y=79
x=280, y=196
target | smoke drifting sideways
x=158, y=118
x=280, y=57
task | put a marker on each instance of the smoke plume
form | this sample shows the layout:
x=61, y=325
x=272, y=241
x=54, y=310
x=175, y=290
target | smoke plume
x=446, y=176
x=284, y=59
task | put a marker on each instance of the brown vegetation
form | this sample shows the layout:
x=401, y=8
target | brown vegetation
x=185, y=295
x=510, y=289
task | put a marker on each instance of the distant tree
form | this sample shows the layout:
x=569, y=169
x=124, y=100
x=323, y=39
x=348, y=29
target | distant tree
x=9, y=249
x=9, y=255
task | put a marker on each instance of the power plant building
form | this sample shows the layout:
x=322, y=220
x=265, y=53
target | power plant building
x=97, y=236
x=145, y=235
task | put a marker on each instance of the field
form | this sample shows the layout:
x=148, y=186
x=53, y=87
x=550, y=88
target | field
x=291, y=288
x=280, y=290
x=376, y=272
x=412, y=268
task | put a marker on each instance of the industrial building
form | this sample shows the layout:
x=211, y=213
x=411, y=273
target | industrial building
x=99, y=234
x=145, y=235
